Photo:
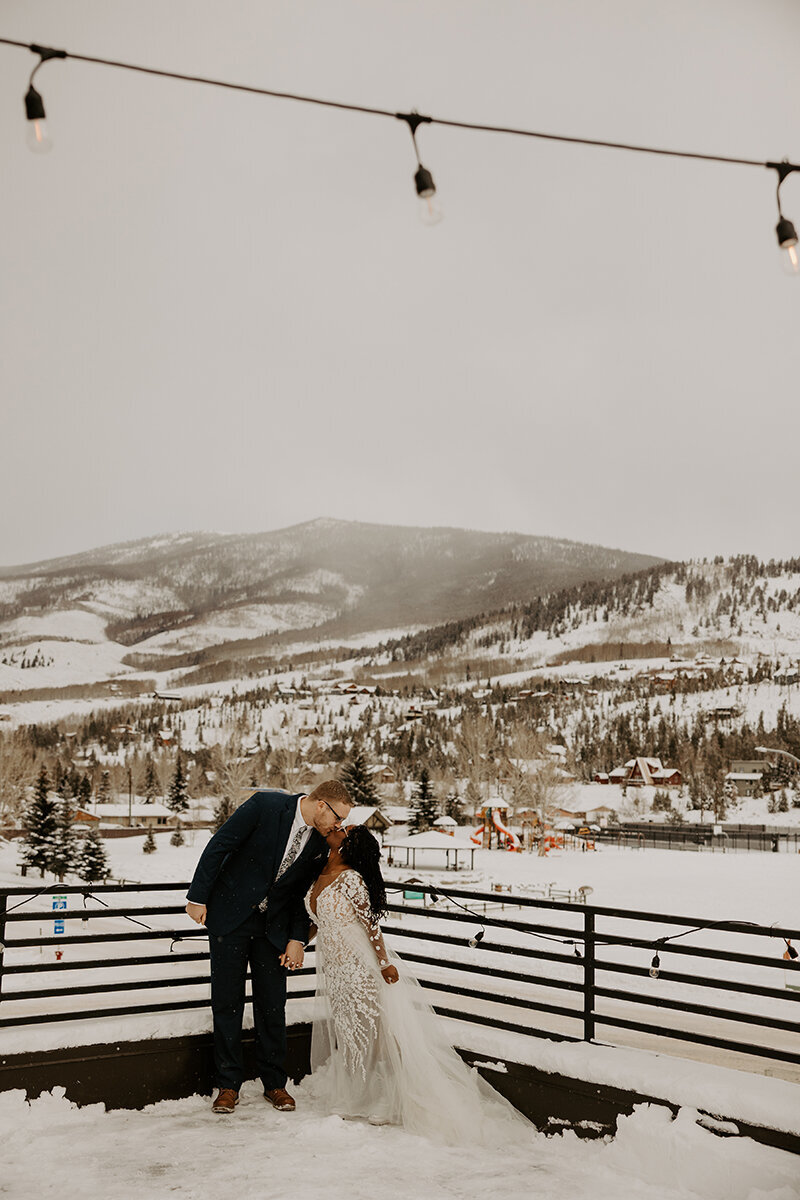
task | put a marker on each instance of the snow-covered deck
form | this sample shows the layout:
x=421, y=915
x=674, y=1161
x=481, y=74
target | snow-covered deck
x=178, y=1148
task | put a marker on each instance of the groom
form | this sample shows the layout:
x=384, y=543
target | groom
x=248, y=890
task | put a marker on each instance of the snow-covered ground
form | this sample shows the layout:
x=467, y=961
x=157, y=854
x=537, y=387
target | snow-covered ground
x=178, y=1148
x=763, y=888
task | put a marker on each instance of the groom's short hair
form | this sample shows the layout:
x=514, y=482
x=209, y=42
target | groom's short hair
x=333, y=791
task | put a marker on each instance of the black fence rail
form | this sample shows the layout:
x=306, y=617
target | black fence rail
x=728, y=840
x=534, y=966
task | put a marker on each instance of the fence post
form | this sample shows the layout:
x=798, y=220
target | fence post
x=3, y=907
x=588, y=975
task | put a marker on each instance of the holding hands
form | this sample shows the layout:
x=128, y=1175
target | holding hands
x=390, y=973
x=292, y=957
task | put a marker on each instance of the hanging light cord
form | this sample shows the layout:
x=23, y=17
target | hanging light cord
x=412, y=119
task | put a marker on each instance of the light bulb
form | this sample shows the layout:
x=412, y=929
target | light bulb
x=38, y=137
x=430, y=210
x=790, y=260
x=787, y=240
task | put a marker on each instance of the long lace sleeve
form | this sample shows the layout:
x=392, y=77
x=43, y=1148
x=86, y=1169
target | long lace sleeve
x=355, y=889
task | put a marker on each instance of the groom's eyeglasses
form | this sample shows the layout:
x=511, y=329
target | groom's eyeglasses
x=339, y=818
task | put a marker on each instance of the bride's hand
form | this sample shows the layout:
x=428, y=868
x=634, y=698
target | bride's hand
x=292, y=957
x=390, y=973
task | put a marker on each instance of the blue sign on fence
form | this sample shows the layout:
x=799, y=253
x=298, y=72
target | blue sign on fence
x=59, y=903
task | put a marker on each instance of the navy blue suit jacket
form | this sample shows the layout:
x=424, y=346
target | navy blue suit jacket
x=238, y=866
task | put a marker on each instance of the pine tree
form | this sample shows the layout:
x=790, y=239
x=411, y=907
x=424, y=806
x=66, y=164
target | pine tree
x=40, y=825
x=177, y=838
x=149, y=845
x=454, y=806
x=104, y=788
x=223, y=810
x=150, y=781
x=64, y=853
x=424, y=809
x=177, y=800
x=356, y=778
x=92, y=863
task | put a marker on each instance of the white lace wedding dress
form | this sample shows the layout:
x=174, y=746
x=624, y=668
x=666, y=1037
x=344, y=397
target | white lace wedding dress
x=378, y=1050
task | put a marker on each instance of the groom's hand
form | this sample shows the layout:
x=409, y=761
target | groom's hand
x=390, y=973
x=292, y=957
x=197, y=912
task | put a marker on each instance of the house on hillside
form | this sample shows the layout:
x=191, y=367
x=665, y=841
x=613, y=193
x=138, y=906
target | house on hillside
x=643, y=772
x=747, y=776
x=382, y=773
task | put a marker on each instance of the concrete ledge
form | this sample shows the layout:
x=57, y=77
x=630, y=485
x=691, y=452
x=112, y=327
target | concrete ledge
x=135, y=1074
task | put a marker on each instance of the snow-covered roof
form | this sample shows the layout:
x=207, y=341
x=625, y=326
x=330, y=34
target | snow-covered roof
x=136, y=810
x=359, y=814
x=431, y=840
x=445, y=821
x=397, y=812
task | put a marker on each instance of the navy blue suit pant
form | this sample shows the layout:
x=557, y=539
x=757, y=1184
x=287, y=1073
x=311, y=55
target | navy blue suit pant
x=231, y=954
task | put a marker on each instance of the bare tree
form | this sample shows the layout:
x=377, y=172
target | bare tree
x=537, y=782
x=17, y=773
x=232, y=774
x=549, y=791
x=476, y=744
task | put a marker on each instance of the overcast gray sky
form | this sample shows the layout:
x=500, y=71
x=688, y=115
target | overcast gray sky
x=221, y=311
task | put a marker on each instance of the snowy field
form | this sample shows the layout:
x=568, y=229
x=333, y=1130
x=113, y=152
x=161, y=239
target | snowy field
x=53, y=1149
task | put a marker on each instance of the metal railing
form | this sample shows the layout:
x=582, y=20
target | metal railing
x=701, y=838
x=559, y=970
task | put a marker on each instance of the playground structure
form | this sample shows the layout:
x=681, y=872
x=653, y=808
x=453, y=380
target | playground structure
x=494, y=828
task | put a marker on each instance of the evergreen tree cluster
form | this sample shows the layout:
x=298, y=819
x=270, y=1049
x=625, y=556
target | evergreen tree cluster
x=51, y=840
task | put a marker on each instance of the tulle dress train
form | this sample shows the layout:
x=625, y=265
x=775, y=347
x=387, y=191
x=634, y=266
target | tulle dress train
x=378, y=1050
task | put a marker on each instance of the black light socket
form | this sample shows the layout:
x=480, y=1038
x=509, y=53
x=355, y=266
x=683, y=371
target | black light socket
x=425, y=185
x=34, y=105
x=786, y=233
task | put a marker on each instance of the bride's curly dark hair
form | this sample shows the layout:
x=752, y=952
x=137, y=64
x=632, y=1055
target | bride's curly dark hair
x=361, y=850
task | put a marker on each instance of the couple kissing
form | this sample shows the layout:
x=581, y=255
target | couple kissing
x=280, y=872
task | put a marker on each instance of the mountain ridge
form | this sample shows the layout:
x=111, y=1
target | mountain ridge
x=185, y=592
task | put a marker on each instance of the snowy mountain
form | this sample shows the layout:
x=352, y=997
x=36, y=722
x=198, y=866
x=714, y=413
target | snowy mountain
x=159, y=601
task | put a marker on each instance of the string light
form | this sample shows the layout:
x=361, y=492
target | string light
x=785, y=230
x=430, y=210
x=38, y=136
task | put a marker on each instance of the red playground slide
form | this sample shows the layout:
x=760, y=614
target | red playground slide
x=477, y=836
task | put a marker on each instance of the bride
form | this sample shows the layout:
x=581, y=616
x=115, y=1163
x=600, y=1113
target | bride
x=378, y=1051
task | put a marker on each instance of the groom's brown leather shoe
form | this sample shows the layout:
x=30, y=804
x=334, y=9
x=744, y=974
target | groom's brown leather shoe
x=226, y=1101
x=279, y=1098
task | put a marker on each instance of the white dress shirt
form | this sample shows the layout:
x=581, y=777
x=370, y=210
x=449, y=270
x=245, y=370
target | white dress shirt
x=298, y=823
